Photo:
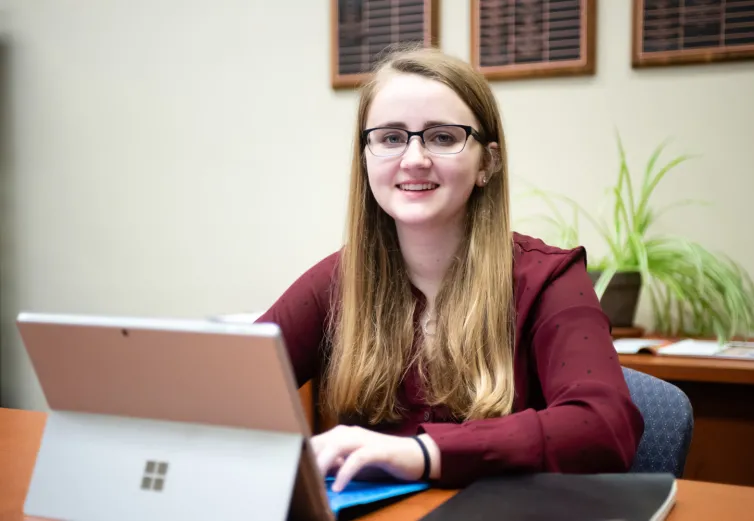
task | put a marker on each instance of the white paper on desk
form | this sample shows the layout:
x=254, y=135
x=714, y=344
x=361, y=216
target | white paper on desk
x=691, y=347
x=631, y=346
x=741, y=350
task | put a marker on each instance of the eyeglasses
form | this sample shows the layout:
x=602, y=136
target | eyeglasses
x=438, y=139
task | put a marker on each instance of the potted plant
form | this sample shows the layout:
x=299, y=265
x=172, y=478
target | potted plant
x=693, y=291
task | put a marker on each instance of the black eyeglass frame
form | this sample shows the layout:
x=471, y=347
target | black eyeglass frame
x=470, y=131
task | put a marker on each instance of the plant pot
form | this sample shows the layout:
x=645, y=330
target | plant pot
x=621, y=297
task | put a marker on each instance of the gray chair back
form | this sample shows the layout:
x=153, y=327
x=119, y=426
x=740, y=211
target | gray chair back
x=668, y=423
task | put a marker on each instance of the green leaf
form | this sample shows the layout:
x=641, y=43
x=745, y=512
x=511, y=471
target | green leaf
x=652, y=183
x=624, y=177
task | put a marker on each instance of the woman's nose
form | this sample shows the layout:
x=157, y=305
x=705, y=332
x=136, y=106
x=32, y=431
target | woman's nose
x=415, y=154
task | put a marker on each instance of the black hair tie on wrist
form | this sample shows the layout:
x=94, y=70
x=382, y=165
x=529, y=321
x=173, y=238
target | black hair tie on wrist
x=425, y=474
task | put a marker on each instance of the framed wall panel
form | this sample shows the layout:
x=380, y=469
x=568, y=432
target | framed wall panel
x=674, y=32
x=528, y=38
x=362, y=29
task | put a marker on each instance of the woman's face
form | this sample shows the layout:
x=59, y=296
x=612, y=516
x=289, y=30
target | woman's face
x=422, y=185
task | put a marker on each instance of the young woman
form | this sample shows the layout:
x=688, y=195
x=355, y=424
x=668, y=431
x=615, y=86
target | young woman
x=450, y=347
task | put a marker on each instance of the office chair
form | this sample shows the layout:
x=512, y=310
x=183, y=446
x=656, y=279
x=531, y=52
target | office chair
x=668, y=424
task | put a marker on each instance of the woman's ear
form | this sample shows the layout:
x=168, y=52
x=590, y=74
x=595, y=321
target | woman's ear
x=490, y=163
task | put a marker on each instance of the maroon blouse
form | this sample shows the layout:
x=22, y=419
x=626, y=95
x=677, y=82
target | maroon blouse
x=572, y=410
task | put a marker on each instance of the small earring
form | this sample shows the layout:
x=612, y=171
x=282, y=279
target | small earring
x=484, y=180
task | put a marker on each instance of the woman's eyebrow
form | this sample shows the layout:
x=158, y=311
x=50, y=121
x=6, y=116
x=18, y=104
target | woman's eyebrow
x=393, y=124
x=435, y=122
x=401, y=124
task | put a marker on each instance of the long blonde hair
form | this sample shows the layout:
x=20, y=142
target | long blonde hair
x=469, y=366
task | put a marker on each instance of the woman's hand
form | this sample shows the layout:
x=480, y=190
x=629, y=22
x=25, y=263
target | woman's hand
x=349, y=450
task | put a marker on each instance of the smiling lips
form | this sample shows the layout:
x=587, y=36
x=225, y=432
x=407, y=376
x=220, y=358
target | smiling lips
x=417, y=187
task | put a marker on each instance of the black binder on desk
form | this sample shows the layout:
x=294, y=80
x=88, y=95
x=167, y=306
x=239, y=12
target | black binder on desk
x=556, y=497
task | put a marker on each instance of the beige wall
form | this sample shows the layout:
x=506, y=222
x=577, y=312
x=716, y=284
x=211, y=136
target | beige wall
x=167, y=158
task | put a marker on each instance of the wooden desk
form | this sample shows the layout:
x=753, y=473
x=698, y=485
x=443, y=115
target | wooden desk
x=693, y=369
x=21, y=433
x=722, y=395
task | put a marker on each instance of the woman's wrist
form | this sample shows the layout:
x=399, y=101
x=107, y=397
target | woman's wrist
x=434, y=455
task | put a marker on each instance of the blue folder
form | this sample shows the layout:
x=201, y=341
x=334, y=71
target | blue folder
x=364, y=492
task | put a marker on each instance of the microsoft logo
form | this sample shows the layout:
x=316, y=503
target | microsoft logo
x=155, y=473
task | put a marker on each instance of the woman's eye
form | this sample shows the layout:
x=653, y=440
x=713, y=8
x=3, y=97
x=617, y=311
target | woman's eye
x=393, y=139
x=444, y=139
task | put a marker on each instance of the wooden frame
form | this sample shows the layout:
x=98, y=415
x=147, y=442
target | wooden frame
x=697, y=55
x=340, y=80
x=582, y=66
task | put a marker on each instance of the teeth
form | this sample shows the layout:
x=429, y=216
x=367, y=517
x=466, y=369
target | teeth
x=417, y=187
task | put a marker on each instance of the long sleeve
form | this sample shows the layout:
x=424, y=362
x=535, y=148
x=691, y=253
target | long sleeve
x=589, y=423
x=301, y=313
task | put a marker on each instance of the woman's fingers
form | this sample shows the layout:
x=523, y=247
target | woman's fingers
x=328, y=457
x=355, y=462
x=333, y=447
x=346, y=451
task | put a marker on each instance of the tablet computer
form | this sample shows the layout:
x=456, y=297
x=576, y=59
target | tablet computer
x=168, y=419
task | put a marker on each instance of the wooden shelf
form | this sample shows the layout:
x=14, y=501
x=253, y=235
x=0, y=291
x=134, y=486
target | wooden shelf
x=692, y=369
